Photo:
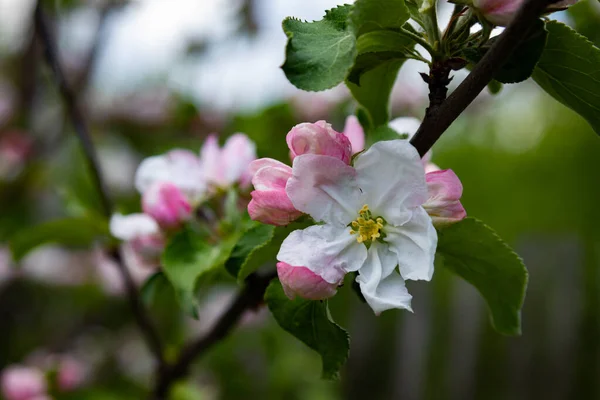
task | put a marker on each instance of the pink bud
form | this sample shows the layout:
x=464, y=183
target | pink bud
x=501, y=12
x=319, y=138
x=23, y=383
x=445, y=191
x=301, y=281
x=70, y=374
x=355, y=133
x=164, y=202
x=270, y=203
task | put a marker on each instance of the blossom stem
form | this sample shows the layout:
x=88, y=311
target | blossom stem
x=81, y=130
x=441, y=117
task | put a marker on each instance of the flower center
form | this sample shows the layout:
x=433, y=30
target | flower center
x=366, y=227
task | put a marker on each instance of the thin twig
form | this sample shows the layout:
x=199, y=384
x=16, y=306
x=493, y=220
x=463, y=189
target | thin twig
x=249, y=298
x=437, y=121
x=142, y=319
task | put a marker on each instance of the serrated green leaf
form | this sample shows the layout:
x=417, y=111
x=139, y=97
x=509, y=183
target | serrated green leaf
x=386, y=41
x=521, y=63
x=75, y=232
x=252, y=240
x=373, y=15
x=473, y=251
x=319, y=54
x=311, y=323
x=568, y=71
x=187, y=257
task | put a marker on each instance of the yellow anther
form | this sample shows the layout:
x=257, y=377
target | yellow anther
x=365, y=227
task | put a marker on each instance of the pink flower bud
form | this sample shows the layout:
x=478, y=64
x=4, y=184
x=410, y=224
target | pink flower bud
x=300, y=281
x=270, y=203
x=23, y=383
x=445, y=191
x=501, y=12
x=164, y=202
x=355, y=133
x=70, y=374
x=319, y=138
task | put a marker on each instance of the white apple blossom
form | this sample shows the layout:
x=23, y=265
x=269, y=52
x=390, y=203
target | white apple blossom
x=372, y=221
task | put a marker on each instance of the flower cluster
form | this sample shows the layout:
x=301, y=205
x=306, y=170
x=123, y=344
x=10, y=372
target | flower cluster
x=375, y=212
x=501, y=12
x=173, y=185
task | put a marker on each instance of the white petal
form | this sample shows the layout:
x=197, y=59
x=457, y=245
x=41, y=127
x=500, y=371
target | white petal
x=414, y=244
x=151, y=170
x=210, y=156
x=391, y=175
x=326, y=250
x=405, y=125
x=325, y=188
x=128, y=227
x=380, y=284
x=236, y=156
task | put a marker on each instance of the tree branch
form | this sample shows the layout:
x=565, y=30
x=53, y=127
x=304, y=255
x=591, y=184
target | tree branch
x=142, y=319
x=249, y=298
x=441, y=117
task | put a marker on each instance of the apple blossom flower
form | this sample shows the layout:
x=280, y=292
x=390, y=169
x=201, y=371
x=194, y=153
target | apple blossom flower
x=373, y=221
x=70, y=374
x=501, y=12
x=23, y=383
x=318, y=138
x=142, y=235
x=270, y=203
x=303, y=282
x=223, y=167
x=178, y=167
x=164, y=202
x=355, y=133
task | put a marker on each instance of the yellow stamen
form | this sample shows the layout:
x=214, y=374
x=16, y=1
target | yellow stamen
x=365, y=226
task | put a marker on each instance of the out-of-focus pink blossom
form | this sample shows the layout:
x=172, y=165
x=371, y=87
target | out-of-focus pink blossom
x=355, y=133
x=164, y=202
x=23, y=383
x=270, y=203
x=15, y=147
x=223, y=167
x=501, y=12
x=444, y=190
x=179, y=167
x=319, y=138
x=301, y=281
x=142, y=233
x=70, y=374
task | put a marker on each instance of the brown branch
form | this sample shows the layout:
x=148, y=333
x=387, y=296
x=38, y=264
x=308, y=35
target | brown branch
x=441, y=117
x=249, y=298
x=144, y=322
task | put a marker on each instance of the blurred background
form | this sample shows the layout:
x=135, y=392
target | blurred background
x=155, y=74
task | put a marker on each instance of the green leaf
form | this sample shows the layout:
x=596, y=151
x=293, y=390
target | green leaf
x=521, y=63
x=252, y=240
x=187, y=257
x=373, y=93
x=568, y=71
x=473, y=251
x=373, y=15
x=386, y=41
x=76, y=232
x=383, y=132
x=319, y=54
x=154, y=287
x=311, y=323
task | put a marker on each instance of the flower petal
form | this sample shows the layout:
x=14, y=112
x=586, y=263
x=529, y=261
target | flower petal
x=266, y=162
x=410, y=126
x=326, y=250
x=236, y=156
x=128, y=227
x=414, y=244
x=445, y=191
x=355, y=133
x=300, y=281
x=210, y=156
x=381, y=286
x=391, y=175
x=324, y=187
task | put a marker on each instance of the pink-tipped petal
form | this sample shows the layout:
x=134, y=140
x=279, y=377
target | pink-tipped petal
x=22, y=383
x=319, y=138
x=210, y=156
x=236, y=156
x=355, y=133
x=168, y=206
x=444, y=190
x=300, y=281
